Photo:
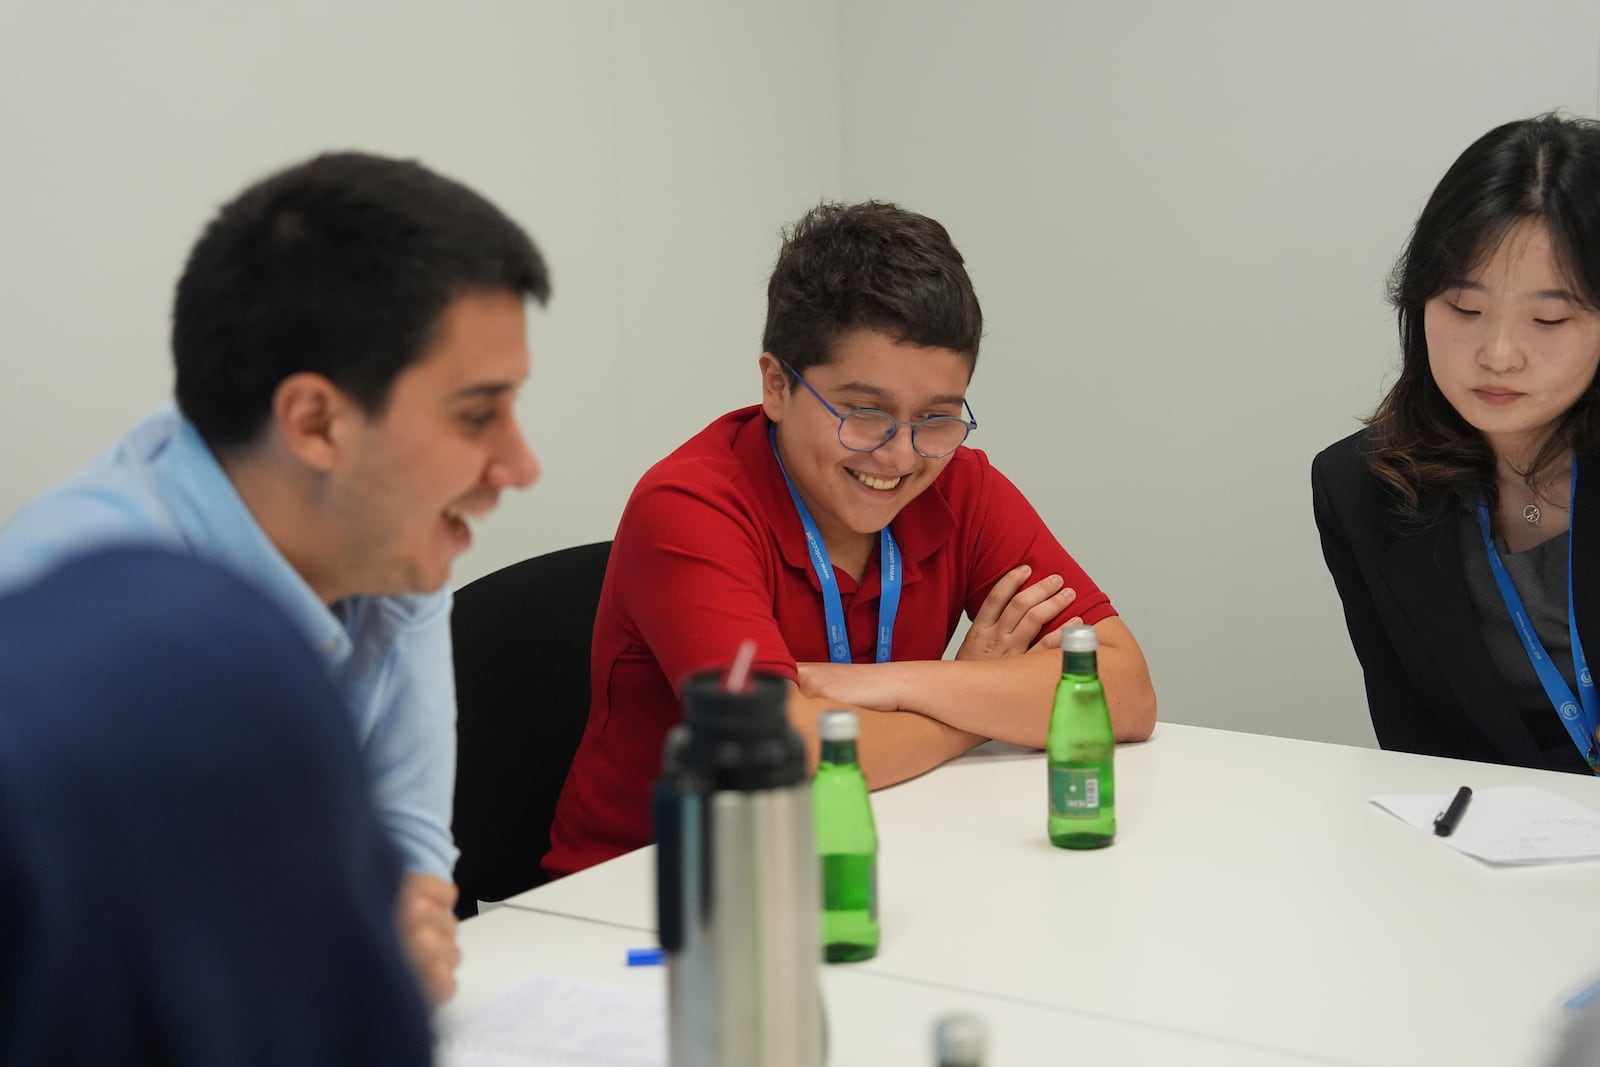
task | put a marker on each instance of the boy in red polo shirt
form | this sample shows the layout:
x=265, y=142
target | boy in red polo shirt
x=844, y=528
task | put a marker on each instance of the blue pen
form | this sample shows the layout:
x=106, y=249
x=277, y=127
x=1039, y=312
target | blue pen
x=645, y=957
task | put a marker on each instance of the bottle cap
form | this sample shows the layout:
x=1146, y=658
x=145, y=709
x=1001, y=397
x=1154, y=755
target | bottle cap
x=838, y=725
x=958, y=1039
x=1079, y=639
x=739, y=741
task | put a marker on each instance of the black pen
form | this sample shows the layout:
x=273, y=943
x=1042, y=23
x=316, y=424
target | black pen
x=1450, y=817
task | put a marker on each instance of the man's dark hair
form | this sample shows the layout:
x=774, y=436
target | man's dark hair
x=340, y=266
x=873, y=266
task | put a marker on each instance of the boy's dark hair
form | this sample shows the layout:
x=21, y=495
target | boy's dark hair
x=872, y=266
x=340, y=266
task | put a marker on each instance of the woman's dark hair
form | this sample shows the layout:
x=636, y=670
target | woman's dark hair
x=341, y=266
x=872, y=266
x=1545, y=168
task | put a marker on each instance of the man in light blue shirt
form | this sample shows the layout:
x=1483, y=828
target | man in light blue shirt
x=349, y=337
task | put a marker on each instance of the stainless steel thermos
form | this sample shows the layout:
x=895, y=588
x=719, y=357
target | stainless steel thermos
x=736, y=882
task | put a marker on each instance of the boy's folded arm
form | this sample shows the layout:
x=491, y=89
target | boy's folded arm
x=893, y=745
x=1008, y=699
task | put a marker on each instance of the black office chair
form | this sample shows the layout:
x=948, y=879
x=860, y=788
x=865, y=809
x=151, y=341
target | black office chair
x=522, y=637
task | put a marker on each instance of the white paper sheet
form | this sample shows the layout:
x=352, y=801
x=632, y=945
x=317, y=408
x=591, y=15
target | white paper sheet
x=557, y=1022
x=1517, y=824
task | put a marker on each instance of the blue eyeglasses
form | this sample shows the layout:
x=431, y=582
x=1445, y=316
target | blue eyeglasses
x=868, y=429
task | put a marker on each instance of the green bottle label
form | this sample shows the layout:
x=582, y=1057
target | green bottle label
x=1075, y=792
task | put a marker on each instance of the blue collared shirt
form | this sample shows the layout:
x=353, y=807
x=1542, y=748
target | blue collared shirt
x=389, y=655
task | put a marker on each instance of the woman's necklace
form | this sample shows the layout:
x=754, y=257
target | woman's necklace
x=1531, y=514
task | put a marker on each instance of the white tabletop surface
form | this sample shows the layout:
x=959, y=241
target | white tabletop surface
x=873, y=1021
x=1255, y=904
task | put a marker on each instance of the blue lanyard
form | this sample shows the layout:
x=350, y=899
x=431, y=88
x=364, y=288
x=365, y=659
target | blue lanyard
x=1581, y=714
x=832, y=605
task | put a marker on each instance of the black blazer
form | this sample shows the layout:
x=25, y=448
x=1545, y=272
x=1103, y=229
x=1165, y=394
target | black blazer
x=1431, y=686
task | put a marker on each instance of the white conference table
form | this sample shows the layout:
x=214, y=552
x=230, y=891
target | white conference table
x=873, y=1020
x=1256, y=908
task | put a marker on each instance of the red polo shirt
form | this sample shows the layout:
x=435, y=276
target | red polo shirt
x=710, y=552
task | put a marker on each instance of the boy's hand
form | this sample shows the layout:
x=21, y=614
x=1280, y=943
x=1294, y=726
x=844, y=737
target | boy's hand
x=1009, y=621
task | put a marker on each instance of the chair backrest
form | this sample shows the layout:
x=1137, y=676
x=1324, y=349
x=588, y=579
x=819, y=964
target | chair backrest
x=522, y=638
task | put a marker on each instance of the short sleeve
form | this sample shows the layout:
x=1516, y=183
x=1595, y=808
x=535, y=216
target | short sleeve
x=694, y=578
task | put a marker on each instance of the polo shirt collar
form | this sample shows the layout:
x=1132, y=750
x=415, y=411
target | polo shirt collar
x=215, y=524
x=920, y=528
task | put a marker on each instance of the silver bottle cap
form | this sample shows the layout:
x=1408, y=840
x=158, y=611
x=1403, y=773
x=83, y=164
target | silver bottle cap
x=838, y=725
x=958, y=1039
x=1079, y=639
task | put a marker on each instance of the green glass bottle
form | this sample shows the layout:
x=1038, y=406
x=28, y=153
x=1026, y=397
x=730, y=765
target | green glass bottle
x=847, y=844
x=1079, y=749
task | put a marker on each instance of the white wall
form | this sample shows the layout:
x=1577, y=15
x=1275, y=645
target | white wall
x=1179, y=217
x=652, y=150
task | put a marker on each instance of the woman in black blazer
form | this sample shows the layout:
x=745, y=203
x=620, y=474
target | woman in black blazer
x=1450, y=523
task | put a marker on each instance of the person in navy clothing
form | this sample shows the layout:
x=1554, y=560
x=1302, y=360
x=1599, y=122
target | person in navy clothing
x=191, y=869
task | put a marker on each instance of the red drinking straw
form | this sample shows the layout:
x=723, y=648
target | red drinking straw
x=738, y=680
